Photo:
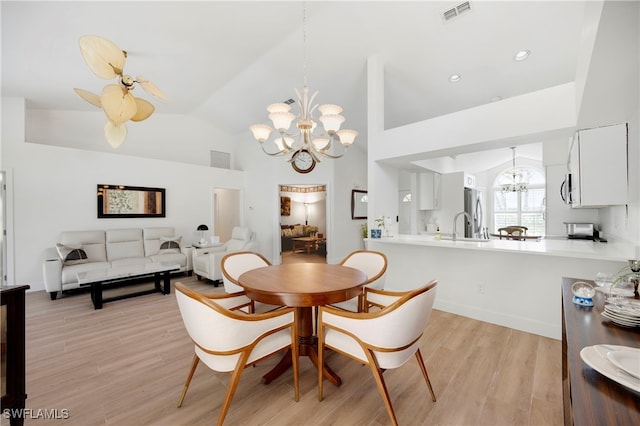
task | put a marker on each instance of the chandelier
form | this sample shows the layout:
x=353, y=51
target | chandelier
x=307, y=144
x=517, y=183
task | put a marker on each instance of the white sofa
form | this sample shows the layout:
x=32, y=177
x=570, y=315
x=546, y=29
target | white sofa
x=87, y=250
x=206, y=261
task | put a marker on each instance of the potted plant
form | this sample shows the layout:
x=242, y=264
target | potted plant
x=630, y=272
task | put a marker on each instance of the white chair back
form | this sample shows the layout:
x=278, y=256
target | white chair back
x=219, y=334
x=372, y=263
x=235, y=264
x=396, y=326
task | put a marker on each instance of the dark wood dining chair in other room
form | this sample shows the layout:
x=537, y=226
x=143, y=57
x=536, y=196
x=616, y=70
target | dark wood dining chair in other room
x=235, y=264
x=383, y=339
x=374, y=265
x=228, y=340
x=512, y=232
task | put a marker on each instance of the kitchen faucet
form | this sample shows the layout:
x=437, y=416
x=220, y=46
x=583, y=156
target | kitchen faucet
x=455, y=218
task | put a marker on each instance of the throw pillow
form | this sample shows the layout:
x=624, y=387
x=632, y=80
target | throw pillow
x=71, y=254
x=288, y=232
x=170, y=245
x=297, y=230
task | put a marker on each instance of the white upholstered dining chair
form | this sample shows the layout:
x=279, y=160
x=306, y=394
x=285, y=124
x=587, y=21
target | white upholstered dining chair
x=235, y=264
x=384, y=339
x=374, y=265
x=228, y=341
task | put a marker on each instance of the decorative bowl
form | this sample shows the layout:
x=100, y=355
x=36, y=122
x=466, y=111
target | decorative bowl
x=583, y=293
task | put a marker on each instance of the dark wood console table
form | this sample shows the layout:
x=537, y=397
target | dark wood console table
x=12, y=301
x=589, y=397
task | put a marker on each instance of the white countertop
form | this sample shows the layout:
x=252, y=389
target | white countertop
x=585, y=249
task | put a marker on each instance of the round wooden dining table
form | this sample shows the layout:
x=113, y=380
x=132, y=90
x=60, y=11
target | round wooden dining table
x=302, y=286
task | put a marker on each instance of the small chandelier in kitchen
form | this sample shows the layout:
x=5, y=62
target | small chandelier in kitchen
x=304, y=142
x=517, y=183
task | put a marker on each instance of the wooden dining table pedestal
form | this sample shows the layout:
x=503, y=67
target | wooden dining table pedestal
x=303, y=286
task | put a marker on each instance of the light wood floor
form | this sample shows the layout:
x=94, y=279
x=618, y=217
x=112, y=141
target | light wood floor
x=126, y=365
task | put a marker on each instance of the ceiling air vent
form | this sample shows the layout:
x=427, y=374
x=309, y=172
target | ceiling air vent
x=220, y=159
x=449, y=14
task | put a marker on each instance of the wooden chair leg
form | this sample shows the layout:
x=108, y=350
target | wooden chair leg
x=233, y=385
x=294, y=362
x=189, y=377
x=382, y=387
x=424, y=373
x=320, y=360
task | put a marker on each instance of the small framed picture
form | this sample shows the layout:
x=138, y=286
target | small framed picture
x=376, y=233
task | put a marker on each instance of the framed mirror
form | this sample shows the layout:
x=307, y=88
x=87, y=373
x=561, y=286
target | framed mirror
x=119, y=201
x=358, y=204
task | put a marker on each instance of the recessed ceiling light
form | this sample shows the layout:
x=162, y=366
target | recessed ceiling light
x=455, y=78
x=496, y=98
x=522, y=55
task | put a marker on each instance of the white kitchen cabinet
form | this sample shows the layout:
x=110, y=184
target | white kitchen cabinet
x=599, y=167
x=429, y=190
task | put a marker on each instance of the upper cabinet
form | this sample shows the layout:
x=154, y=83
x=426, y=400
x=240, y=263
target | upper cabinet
x=599, y=167
x=429, y=190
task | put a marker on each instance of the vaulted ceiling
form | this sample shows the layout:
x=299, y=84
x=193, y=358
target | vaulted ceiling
x=224, y=61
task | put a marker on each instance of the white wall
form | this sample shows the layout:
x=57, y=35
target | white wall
x=162, y=136
x=52, y=189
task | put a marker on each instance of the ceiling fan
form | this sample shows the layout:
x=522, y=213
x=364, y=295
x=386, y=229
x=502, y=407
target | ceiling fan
x=106, y=60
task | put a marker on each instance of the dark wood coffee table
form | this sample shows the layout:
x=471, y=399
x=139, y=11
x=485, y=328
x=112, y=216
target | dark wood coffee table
x=98, y=279
x=303, y=286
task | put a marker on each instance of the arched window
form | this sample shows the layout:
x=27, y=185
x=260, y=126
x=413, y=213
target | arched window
x=525, y=208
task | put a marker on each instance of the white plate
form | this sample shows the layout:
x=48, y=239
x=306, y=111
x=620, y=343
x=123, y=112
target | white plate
x=628, y=360
x=620, y=321
x=596, y=358
x=622, y=315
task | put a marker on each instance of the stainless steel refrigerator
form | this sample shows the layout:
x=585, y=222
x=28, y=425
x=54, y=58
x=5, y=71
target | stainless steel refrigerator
x=473, y=206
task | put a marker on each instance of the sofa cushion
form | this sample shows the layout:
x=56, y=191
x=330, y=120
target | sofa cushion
x=92, y=242
x=170, y=259
x=130, y=261
x=69, y=272
x=153, y=238
x=124, y=244
x=71, y=254
x=298, y=230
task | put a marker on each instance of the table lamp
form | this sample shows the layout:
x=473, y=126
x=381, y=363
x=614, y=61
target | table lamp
x=203, y=229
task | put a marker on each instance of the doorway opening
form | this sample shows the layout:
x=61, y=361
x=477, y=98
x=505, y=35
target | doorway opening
x=226, y=212
x=303, y=223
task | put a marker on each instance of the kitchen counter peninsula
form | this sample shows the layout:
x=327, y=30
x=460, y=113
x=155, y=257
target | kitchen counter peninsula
x=511, y=283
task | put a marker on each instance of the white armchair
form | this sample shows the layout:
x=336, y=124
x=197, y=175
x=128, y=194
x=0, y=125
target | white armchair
x=206, y=262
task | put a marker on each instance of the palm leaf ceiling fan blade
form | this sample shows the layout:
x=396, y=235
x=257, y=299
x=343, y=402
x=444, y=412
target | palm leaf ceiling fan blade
x=145, y=109
x=151, y=88
x=115, y=133
x=92, y=98
x=118, y=103
x=102, y=56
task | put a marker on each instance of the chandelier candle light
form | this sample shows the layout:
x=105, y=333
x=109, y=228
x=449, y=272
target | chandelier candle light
x=309, y=148
x=517, y=184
